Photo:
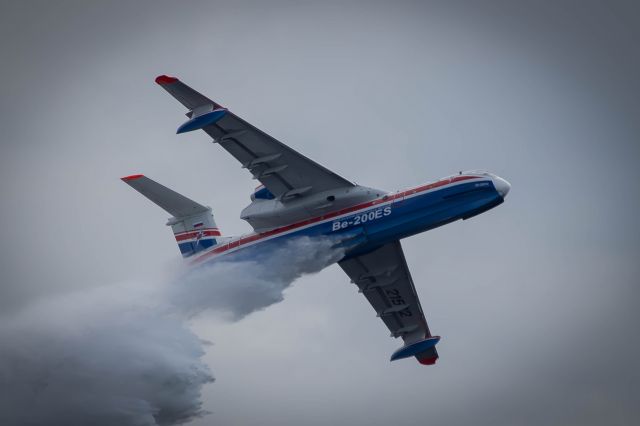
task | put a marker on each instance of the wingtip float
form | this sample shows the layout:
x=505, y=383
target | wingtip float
x=417, y=348
x=202, y=120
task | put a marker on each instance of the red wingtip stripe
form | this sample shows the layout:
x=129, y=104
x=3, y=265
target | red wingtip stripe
x=132, y=177
x=428, y=361
x=165, y=79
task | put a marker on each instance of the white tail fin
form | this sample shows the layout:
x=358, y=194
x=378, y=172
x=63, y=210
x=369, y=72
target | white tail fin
x=192, y=223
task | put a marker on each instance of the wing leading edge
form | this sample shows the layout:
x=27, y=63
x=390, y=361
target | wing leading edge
x=286, y=173
x=384, y=278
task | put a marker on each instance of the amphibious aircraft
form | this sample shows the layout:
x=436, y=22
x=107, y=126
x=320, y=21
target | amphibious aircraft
x=299, y=197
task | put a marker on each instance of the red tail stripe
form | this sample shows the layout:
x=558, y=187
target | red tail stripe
x=194, y=234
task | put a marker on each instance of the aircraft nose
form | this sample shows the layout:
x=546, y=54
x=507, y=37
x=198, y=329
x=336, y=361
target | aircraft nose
x=502, y=186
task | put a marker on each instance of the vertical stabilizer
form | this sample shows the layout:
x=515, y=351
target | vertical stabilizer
x=193, y=225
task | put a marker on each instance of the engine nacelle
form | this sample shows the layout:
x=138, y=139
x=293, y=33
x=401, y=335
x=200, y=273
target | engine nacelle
x=267, y=212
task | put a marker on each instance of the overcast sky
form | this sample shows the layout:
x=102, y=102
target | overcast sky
x=536, y=300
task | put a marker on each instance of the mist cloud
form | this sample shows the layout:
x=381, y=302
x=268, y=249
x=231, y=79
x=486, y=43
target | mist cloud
x=124, y=354
x=237, y=288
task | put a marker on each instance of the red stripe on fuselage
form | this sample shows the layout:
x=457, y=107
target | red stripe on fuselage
x=254, y=237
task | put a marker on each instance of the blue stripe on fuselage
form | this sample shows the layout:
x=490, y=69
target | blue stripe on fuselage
x=415, y=214
x=408, y=216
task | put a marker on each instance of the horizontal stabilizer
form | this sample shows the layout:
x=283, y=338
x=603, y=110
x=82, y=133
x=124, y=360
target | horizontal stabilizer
x=415, y=348
x=170, y=201
x=192, y=224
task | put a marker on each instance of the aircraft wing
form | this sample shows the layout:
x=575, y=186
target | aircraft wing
x=286, y=173
x=383, y=277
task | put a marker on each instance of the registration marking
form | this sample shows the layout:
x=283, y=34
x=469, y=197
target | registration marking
x=360, y=218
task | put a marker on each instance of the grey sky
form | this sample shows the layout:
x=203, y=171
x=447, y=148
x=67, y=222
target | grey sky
x=536, y=300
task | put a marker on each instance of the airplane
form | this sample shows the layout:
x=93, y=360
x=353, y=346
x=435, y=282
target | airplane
x=299, y=197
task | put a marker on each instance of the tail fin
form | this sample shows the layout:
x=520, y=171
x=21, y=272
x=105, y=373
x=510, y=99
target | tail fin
x=192, y=223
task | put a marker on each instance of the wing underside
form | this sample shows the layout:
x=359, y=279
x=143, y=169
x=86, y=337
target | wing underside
x=383, y=277
x=286, y=173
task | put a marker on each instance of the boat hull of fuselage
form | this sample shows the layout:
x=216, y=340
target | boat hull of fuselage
x=366, y=229
x=414, y=215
